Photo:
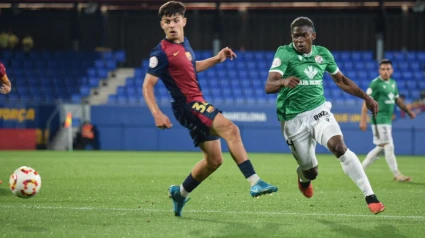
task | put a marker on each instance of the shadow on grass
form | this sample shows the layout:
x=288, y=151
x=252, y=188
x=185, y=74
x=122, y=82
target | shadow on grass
x=416, y=183
x=380, y=230
x=5, y=192
x=241, y=229
x=32, y=229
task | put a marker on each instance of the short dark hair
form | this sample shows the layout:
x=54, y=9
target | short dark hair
x=302, y=21
x=385, y=61
x=171, y=8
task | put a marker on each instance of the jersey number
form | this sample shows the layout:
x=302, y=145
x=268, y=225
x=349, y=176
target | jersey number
x=200, y=107
x=291, y=145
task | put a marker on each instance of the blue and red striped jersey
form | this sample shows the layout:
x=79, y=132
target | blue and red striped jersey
x=175, y=64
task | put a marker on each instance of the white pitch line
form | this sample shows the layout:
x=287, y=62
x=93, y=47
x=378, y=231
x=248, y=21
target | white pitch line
x=215, y=211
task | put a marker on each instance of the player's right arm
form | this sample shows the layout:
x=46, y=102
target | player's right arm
x=158, y=63
x=371, y=92
x=363, y=117
x=6, y=85
x=275, y=82
x=161, y=120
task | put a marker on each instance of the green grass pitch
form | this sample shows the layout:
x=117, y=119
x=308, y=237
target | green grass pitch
x=123, y=194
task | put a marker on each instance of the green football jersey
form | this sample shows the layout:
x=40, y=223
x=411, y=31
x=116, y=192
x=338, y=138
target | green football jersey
x=310, y=69
x=385, y=93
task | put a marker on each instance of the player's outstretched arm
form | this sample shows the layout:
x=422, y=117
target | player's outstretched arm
x=219, y=58
x=348, y=86
x=6, y=85
x=363, y=117
x=275, y=82
x=403, y=107
x=161, y=120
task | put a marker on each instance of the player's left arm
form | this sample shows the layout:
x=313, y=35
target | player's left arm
x=219, y=58
x=348, y=86
x=403, y=107
x=6, y=85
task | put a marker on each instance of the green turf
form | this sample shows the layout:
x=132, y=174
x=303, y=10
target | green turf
x=123, y=194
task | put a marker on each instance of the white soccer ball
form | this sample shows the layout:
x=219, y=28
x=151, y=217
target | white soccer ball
x=25, y=182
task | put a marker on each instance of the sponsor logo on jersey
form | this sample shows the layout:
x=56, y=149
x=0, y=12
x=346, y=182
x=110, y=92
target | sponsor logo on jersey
x=391, y=99
x=310, y=72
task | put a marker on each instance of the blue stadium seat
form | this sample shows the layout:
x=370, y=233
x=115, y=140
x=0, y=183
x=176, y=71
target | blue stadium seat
x=75, y=98
x=120, y=56
x=414, y=66
x=411, y=56
x=418, y=75
x=396, y=75
x=415, y=94
x=112, y=99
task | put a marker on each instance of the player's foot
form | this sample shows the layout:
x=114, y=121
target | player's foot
x=261, y=188
x=306, y=188
x=402, y=178
x=375, y=206
x=0, y=182
x=178, y=200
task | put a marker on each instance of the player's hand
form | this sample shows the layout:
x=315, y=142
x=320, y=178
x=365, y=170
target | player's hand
x=162, y=121
x=290, y=82
x=372, y=105
x=225, y=53
x=5, y=89
x=363, y=126
x=411, y=114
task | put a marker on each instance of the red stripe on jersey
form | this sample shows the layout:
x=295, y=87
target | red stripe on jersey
x=182, y=71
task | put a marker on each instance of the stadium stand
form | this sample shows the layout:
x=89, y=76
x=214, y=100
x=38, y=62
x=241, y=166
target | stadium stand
x=242, y=81
x=67, y=76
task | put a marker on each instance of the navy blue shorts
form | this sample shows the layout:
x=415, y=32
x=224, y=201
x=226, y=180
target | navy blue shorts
x=197, y=117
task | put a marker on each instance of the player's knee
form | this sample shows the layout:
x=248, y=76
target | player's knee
x=232, y=132
x=337, y=146
x=214, y=162
x=311, y=174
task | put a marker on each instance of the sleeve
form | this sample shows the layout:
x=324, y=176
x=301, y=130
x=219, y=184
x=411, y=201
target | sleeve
x=2, y=70
x=331, y=67
x=158, y=62
x=371, y=90
x=397, y=94
x=280, y=61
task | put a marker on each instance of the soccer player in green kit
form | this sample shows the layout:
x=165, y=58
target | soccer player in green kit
x=296, y=75
x=384, y=90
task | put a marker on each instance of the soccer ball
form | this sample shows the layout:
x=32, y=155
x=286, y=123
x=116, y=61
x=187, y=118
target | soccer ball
x=25, y=182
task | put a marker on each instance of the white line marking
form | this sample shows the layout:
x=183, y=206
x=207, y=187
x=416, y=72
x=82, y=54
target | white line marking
x=215, y=211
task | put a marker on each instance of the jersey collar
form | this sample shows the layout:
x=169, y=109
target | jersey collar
x=305, y=55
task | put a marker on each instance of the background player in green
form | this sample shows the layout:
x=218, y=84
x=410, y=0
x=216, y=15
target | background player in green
x=384, y=90
x=297, y=76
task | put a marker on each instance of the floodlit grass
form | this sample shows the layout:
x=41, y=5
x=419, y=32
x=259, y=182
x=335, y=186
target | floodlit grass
x=123, y=194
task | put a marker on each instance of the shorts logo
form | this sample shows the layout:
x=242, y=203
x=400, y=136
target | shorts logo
x=153, y=62
x=320, y=115
x=210, y=109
